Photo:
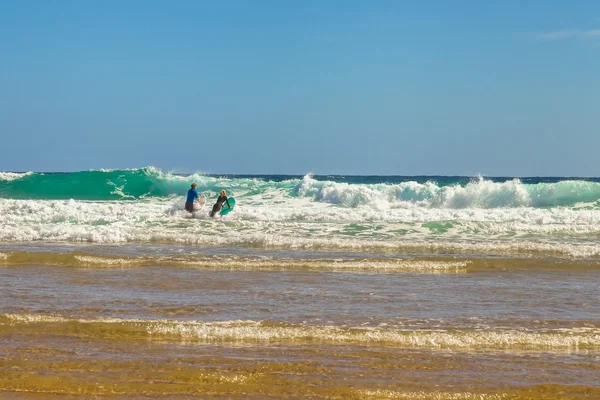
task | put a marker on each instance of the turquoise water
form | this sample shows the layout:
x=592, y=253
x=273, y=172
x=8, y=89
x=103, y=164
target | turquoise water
x=455, y=192
x=425, y=215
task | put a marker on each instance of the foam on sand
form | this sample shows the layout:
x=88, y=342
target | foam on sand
x=231, y=331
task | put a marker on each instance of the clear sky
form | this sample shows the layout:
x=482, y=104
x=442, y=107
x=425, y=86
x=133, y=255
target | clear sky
x=507, y=88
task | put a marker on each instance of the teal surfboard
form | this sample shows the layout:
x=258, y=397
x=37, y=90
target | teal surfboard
x=226, y=210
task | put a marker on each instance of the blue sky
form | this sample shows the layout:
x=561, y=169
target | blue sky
x=507, y=88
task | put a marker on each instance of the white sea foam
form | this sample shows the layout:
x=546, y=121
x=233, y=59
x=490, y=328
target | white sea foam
x=393, y=394
x=578, y=338
x=479, y=193
x=91, y=260
x=273, y=220
x=11, y=176
x=237, y=263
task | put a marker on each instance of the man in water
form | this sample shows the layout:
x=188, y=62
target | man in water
x=191, y=197
x=219, y=204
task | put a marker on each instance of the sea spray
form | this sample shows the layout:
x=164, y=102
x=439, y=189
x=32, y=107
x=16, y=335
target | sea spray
x=350, y=192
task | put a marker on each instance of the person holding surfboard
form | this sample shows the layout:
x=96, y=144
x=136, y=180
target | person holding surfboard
x=219, y=204
x=192, y=196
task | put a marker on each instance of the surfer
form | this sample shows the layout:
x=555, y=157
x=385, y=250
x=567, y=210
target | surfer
x=191, y=197
x=219, y=204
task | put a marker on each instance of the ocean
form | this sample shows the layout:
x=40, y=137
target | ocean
x=386, y=287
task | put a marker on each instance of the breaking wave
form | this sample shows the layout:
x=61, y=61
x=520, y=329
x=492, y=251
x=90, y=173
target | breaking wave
x=378, y=192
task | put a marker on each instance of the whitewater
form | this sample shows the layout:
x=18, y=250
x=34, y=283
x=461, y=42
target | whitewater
x=553, y=216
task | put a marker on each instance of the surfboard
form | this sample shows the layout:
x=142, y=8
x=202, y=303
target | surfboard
x=226, y=210
x=198, y=205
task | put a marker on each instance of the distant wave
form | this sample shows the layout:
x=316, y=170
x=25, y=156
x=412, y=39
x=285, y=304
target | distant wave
x=478, y=193
x=11, y=176
x=129, y=184
x=452, y=193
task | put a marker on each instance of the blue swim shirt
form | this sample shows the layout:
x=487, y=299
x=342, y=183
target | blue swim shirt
x=192, y=195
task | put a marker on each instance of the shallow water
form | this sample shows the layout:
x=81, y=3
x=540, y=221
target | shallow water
x=177, y=323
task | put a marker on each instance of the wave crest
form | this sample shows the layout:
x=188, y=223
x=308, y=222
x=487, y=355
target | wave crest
x=478, y=193
x=383, y=193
